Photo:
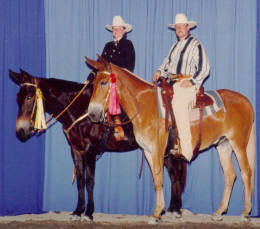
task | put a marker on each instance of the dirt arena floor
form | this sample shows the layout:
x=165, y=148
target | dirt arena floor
x=64, y=220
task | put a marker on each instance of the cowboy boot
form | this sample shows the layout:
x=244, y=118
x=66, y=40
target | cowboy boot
x=119, y=132
x=176, y=149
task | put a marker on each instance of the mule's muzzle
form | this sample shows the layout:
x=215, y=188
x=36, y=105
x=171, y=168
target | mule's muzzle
x=95, y=117
x=23, y=129
x=22, y=135
x=95, y=113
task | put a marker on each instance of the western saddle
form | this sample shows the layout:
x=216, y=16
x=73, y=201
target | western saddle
x=167, y=95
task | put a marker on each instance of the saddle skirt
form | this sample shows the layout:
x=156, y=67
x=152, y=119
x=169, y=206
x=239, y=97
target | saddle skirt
x=195, y=113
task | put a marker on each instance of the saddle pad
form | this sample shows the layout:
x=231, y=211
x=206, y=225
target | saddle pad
x=194, y=113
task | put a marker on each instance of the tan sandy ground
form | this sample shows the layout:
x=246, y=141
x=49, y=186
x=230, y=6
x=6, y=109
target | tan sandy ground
x=64, y=220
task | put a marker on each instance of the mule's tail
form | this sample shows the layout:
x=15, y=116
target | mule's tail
x=251, y=152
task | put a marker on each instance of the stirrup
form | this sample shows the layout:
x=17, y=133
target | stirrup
x=118, y=130
x=119, y=133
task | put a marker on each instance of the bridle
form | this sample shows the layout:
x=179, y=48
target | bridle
x=50, y=119
x=105, y=113
x=34, y=103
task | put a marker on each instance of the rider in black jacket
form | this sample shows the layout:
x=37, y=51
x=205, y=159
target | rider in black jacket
x=120, y=52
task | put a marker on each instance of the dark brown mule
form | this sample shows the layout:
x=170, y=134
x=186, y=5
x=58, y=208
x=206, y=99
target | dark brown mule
x=232, y=130
x=86, y=139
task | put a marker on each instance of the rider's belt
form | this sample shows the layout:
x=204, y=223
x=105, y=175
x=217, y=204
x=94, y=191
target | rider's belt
x=178, y=77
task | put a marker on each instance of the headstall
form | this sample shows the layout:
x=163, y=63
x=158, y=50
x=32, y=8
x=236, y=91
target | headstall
x=40, y=124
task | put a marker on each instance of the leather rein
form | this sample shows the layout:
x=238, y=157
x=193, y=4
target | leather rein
x=50, y=119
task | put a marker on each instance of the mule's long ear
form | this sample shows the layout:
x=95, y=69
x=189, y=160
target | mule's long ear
x=24, y=72
x=26, y=76
x=16, y=77
x=95, y=64
x=105, y=62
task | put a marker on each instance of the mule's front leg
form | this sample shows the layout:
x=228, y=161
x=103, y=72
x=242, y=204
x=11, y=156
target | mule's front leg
x=157, y=172
x=160, y=203
x=78, y=163
x=90, y=181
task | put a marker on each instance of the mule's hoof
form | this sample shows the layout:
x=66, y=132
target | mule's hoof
x=217, y=217
x=87, y=218
x=153, y=220
x=176, y=215
x=75, y=217
x=245, y=218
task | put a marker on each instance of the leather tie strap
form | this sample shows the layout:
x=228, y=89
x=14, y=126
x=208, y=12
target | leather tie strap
x=178, y=77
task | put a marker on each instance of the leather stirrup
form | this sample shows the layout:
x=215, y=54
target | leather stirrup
x=119, y=132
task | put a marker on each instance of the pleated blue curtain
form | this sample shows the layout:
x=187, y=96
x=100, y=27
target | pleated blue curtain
x=75, y=29
x=22, y=45
x=257, y=94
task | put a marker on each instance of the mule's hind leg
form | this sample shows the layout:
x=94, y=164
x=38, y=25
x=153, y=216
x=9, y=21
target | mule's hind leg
x=79, y=165
x=246, y=173
x=225, y=156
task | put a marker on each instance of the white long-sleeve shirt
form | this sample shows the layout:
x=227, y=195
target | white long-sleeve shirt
x=187, y=57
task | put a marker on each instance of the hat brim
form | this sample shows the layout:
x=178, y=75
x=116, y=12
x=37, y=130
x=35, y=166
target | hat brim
x=191, y=24
x=127, y=27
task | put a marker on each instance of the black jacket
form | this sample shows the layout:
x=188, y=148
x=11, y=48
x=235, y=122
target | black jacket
x=121, y=54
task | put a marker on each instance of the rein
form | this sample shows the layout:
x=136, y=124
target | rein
x=110, y=124
x=68, y=106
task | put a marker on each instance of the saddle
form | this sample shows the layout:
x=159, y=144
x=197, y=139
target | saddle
x=167, y=95
x=202, y=99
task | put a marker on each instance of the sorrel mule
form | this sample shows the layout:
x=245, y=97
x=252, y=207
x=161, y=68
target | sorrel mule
x=232, y=130
x=85, y=138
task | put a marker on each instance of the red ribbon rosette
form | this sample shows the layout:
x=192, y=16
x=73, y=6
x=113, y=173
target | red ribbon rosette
x=113, y=107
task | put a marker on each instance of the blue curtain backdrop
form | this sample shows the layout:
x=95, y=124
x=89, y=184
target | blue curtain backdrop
x=36, y=175
x=22, y=45
x=75, y=29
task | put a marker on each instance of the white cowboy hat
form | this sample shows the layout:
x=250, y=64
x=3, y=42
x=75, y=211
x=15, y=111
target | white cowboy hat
x=182, y=19
x=118, y=21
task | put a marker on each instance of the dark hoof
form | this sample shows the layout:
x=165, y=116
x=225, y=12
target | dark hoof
x=78, y=212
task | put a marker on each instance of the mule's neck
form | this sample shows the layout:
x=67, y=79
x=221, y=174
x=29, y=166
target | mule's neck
x=134, y=94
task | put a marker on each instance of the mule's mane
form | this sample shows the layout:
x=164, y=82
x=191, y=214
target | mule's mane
x=64, y=85
x=132, y=74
